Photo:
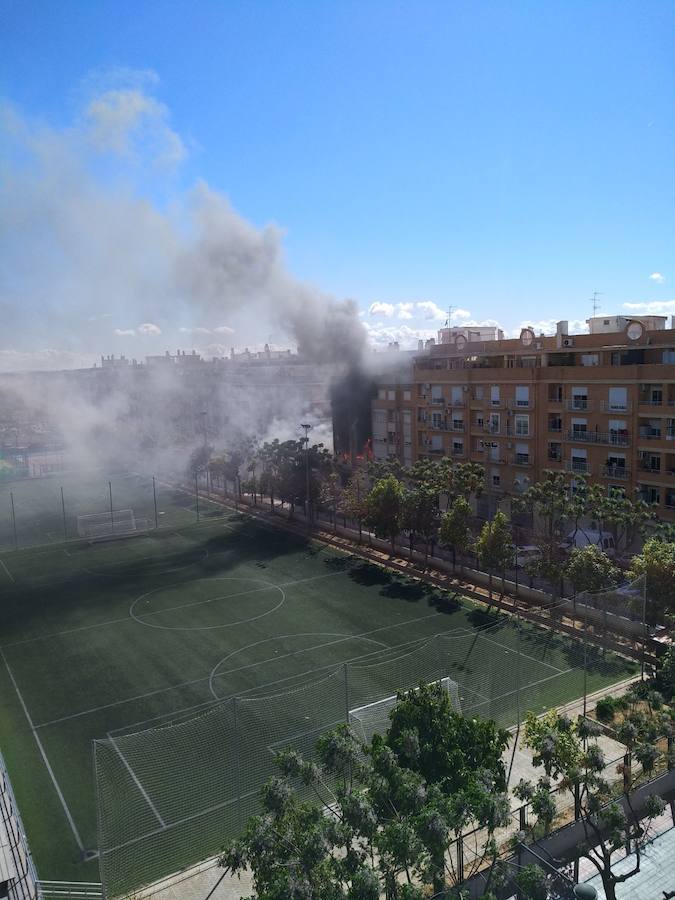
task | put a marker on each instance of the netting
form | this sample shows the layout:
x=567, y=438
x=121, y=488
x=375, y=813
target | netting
x=373, y=718
x=172, y=796
x=118, y=521
x=627, y=600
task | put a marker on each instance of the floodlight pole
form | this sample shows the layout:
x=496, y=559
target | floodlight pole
x=196, y=496
x=63, y=511
x=112, y=517
x=16, y=540
x=154, y=499
x=306, y=428
x=644, y=632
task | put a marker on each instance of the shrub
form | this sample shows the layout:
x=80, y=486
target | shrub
x=605, y=709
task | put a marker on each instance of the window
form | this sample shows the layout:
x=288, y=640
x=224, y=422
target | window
x=668, y=356
x=618, y=398
x=478, y=392
x=381, y=394
x=436, y=393
x=458, y=447
x=650, y=493
x=579, y=398
x=493, y=426
x=391, y=395
x=457, y=394
x=480, y=421
x=578, y=460
x=494, y=395
x=522, y=424
x=436, y=442
x=522, y=395
x=496, y=479
x=458, y=422
x=590, y=359
x=554, y=422
x=579, y=427
x=555, y=451
x=522, y=455
x=407, y=395
x=436, y=420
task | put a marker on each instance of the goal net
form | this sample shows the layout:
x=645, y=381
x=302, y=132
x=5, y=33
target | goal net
x=373, y=718
x=98, y=525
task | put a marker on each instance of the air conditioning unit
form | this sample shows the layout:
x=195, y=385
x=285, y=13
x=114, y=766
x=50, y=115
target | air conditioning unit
x=568, y=342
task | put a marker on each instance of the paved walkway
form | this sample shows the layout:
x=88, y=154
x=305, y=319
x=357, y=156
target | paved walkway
x=656, y=875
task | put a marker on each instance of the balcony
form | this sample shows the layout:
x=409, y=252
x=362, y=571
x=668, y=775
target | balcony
x=616, y=472
x=578, y=403
x=522, y=459
x=521, y=404
x=555, y=426
x=492, y=429
x=578, y=466
x=457, y=451
x=612, y=438
x=553, y=456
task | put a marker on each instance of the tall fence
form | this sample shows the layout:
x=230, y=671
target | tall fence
x=16, y=864
x=171, y=796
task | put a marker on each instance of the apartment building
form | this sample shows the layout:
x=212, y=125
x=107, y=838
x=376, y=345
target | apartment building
x=600, y=404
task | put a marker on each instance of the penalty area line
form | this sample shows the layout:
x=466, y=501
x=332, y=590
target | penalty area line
x=69, y=817
x=136, y=780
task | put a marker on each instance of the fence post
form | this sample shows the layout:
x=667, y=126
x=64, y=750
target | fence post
x=16, y=540
x=460, y=858
x=237, y=742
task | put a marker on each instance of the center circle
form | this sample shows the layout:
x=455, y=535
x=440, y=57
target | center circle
x=152, y=608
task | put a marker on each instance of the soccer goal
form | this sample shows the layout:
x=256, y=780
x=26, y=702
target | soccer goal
x=101, y=525
x=373, y=718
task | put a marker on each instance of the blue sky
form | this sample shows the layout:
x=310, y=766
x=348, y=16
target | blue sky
x=505, y=158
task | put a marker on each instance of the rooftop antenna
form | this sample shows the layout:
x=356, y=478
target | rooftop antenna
x=595, y=301
x=451, y=309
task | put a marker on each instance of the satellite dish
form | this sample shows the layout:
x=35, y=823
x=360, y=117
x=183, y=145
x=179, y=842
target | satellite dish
x=526, y=337
x=634, y=331
x=460, y=342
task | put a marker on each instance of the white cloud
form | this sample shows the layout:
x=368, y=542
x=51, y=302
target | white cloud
x=405, y=310
x=149, y=328
x=657, y=277
x=379, y=336
x=223, y=329
x=431, y=311
x=124, y=332
x=652, y=307
x=460, y=314
x=44, y=360
x=382, y=309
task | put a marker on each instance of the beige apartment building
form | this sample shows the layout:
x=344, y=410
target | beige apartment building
x=600, y=404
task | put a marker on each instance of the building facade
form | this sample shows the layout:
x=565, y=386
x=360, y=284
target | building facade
x=600, y=404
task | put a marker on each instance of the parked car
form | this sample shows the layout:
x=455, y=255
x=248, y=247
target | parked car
x=526, y=555
x=582, y=538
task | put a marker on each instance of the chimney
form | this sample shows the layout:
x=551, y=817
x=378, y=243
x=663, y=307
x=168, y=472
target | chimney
x=562, y=328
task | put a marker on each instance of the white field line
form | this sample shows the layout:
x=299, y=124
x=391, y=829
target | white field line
x=137, y=781
x=8, y=573
x=254, y=665
x=73, y=827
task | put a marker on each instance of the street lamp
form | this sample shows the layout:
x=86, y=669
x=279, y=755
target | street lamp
x=306, y=427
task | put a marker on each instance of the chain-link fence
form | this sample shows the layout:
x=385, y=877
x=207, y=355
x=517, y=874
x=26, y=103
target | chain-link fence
x=172, y=796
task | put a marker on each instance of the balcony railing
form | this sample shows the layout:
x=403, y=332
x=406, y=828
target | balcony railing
x=578, y=466
x=521, y=404
x=615, y=406
x=515, y=432
x=578, y=403
x=555, y=426
x=522, y=460
x=657, y=434
x=554, y=399
x=617, y=472
x=650, y=401
x=614, y=438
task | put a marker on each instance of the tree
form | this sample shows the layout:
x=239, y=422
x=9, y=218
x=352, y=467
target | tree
x=385, y=509
x=355, y=499
x=420, y=516
x=608, y=825
x=464, y=479
x=617, y=513
x=494, y=547
x=331, y=495
x=590, y=569
x=455, y=531
x=657, y=563
x=375, y=825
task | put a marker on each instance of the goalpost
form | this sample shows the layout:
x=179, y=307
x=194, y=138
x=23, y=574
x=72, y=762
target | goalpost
x=373, y=718
x=120, y=522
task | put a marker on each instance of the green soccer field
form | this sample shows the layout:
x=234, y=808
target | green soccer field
x=141, y=644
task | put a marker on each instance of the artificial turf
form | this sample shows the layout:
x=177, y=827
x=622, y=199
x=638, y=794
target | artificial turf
x=106, y=640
